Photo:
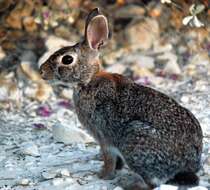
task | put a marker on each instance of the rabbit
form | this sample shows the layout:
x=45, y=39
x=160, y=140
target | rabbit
x=158, y=139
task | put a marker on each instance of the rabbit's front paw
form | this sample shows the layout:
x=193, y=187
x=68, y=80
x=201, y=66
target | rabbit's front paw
x=106, y=174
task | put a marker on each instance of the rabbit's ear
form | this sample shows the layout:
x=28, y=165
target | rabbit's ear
x=96, y=30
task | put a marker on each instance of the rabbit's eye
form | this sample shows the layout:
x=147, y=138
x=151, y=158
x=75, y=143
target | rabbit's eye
x=67, y=59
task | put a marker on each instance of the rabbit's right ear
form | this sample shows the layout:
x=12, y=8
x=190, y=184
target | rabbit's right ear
x=96, y=29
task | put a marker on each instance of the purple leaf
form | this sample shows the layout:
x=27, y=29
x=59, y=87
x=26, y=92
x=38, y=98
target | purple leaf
x=142, y=80
x=44, y=111
x=65, y=103
x=46, y=14
x=39, y=126
x=174, y=76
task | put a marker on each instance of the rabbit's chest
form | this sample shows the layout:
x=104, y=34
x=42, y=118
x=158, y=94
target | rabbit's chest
x=85, y=106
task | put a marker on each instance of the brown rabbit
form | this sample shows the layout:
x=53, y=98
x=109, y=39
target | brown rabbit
x=135, y=125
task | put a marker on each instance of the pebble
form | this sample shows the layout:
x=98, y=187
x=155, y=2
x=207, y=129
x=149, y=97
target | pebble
x=57, y=181
x=118, y=188
x=198, y=188
x=138, y=35
x=24, y=181
x=116, y=68
x=67, y=93
x=146, y=62
x=185, y=99
x=29, y=24
x=31, y=149
x=104, y=188
x=129, y=11
x=49, y=174
x=171, y=66
x=166, y=187
x=65, y=172
x=2, y=53
x=69, y=134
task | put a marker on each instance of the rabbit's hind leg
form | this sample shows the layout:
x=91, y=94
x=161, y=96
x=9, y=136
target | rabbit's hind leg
x=112, y=161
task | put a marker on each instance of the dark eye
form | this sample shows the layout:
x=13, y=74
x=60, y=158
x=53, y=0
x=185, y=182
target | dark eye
x=67, y=59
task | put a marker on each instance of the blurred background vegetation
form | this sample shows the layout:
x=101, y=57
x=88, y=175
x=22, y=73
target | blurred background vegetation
x=149, y=38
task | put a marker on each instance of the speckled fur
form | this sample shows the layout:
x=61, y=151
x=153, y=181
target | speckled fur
x=137, y=125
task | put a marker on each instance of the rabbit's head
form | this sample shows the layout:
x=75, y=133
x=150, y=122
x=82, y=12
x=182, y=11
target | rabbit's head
x=79, y=63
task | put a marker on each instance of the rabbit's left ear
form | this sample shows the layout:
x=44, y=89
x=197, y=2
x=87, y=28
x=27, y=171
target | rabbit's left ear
x=96, y=29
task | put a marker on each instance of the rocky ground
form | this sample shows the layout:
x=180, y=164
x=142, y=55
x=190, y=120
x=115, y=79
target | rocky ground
x=42, y=144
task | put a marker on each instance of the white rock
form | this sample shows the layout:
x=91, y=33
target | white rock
x=172, y=66
x=30, y=149
x=116, y=68
x=166, y=187
x=65, y=172
x=160, y=48
x=24, y=181
x=142, y=61
x=198, y=188
x=70, y=134
x=2, y=53
x=104, y=188
x=118, y=188
x=67, y=93
x=49, y=174
x=146, y=62
x=57, y=181
x=28, y=57
x=185, y=99
x=138, y=35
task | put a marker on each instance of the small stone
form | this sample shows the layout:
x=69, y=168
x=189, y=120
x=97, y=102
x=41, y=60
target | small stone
x=129, y=11
x=29, y=24
x=24, y=182
x=104, y=188
x=2, y=53
x=69, y=134
x=65, y=104
x=49, y=174
x=166, y=187
x=64, y=32
x=138, y=35
x=208, y=161
x=146, y=62
x=141, y=72
x=118, y=188
x=57, y=181
x=5, y=5
x=14, y=20
x=116, y=68
x=171, y=66
x=65, y=173
x=67, y=93
x=43, y=92
x=185, y=99
x=31, y=150
x=198, y=188
x=26, y=68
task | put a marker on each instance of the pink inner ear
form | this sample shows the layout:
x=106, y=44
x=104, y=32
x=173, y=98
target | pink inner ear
x=97, y=32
